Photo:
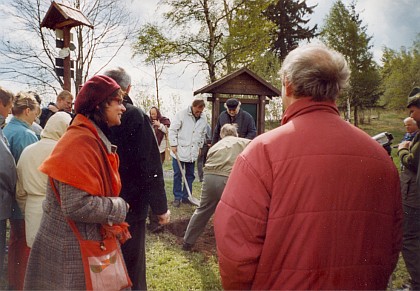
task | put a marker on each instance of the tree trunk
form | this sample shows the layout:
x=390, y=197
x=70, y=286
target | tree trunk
x=356, y=116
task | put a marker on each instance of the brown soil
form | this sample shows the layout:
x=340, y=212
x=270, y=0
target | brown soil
x=205, y=244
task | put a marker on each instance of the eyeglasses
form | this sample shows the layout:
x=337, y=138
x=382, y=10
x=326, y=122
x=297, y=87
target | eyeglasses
x=118, y=100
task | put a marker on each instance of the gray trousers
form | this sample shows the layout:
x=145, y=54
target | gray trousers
x=211, y=192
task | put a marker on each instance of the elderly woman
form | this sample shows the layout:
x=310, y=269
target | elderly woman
x=84, y=171
x=160, y=126
x=19, y=134
x=32, y=184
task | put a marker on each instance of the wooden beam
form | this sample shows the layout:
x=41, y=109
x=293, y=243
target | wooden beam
x=66, y=62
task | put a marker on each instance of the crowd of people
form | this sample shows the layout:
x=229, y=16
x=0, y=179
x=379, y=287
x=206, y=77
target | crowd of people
x=313, y=204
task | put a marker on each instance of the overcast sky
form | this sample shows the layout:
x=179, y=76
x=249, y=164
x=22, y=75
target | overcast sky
x=391, y=23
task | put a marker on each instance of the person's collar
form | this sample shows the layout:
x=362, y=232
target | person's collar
x=21, y=121
x=127, y=99
x=305, y=105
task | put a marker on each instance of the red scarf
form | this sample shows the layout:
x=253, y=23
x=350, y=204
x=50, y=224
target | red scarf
x=90, y=168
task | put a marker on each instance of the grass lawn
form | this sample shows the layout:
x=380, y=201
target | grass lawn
x=170, y=268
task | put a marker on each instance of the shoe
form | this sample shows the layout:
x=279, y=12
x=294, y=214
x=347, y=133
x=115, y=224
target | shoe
x=187, y=247
x=186, y=201
x=176, y=203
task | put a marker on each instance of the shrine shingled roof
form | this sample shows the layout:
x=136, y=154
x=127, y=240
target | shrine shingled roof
x=60, y=15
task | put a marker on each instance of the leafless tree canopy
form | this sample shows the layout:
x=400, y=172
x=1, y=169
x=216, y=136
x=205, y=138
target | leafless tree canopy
x=28, y=52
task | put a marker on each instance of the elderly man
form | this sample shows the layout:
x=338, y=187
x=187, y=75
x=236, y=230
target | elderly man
x=411, y=128
x=64, y=102
x=235, y=115
x=314, y=203
x=141, y=177
x=220, y=160
x=409, y=154
x=186, y=137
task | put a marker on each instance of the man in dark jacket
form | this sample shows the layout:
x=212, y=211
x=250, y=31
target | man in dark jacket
x=141, y=177
x=64, y=102
x=409, y=154
x=235, y=115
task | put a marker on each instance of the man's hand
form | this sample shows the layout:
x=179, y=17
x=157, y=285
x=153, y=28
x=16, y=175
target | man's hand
x=404, y=145
x=53, y=108
x=164, y=218
x=174, y=149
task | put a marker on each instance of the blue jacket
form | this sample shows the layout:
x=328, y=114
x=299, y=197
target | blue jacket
x=20, y=135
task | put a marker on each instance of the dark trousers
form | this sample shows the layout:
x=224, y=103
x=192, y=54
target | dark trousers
x=411, y=244
x=134, y=253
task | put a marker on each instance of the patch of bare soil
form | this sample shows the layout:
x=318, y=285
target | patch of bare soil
x=205, y=244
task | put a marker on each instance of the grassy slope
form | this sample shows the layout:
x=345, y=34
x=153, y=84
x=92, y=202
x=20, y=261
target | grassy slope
x=170, y=268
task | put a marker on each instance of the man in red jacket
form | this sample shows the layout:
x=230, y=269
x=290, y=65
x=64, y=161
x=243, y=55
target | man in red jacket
x=315, y=203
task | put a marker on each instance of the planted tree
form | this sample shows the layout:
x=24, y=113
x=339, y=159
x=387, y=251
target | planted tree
x=157, y=49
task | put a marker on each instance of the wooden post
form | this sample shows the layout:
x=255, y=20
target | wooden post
x=215, y=111
x=66, y=65
x=261, y=115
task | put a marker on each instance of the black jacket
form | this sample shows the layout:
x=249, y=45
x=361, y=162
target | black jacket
x=140, y=165
x=244, y=120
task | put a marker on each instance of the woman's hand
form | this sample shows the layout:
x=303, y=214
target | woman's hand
x=156, y=123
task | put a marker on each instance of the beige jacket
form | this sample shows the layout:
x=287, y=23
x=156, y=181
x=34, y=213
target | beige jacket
x=32, y=184
x=222, y=155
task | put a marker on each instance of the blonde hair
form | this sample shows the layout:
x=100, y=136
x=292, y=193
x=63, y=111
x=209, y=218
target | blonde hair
x=64, y=94
x=23, y=100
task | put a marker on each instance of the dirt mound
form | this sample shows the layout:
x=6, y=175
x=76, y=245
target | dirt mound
x=205, y=244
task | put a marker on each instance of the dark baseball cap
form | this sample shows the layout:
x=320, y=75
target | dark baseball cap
x=414, y=97
x=232, y=103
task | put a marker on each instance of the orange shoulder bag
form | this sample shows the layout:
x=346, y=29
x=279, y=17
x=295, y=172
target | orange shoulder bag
x=103, y=263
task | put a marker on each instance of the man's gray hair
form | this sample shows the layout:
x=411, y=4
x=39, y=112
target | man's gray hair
x=409, y=119
x=228, y=130
x=120, y=76
x=315, y=71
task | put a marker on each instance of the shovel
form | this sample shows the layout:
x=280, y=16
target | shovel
x=191, y=198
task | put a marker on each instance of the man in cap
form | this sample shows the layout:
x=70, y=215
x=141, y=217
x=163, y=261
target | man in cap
x=409, y=154
x=235, y=115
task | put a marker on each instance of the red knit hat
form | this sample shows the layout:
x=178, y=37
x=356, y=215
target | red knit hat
x=93, y=92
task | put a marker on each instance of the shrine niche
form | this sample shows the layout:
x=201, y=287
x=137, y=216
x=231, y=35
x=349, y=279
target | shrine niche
x=62, y=19
x=250, y=89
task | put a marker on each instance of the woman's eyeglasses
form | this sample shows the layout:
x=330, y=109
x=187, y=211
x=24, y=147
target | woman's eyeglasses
x=119, y=100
